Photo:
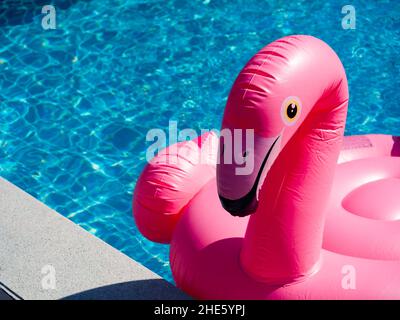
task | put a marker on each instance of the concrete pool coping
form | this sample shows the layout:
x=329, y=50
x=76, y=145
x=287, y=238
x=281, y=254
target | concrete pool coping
x=43, y=255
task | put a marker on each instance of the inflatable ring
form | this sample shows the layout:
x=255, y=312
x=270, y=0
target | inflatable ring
x=314, y=218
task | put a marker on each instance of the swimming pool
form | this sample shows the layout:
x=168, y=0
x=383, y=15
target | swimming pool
x=77, y=102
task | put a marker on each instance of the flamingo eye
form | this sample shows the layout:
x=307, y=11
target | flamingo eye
x=291, y=110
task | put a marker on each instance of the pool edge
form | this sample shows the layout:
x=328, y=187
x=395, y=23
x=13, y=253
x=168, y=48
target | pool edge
x=44, y=255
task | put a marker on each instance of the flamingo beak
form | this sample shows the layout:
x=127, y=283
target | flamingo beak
x=248, y=203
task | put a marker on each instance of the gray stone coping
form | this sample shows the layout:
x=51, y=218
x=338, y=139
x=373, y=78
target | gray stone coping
x=43, y=255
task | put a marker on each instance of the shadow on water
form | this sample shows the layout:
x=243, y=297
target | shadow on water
x=152, y=289
x=17, y=12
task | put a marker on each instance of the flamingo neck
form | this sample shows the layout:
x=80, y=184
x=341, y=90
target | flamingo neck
x=284, y=237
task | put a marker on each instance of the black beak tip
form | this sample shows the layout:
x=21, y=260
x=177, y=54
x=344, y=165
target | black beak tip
x=239, y=208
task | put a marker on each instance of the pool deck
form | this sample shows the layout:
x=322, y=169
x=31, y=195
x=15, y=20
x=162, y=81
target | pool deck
x=43, y=255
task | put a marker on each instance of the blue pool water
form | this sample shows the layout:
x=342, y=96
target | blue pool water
x=76, y=102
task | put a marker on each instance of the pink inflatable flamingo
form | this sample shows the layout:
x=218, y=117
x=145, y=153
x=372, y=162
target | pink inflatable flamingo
x=324, y=214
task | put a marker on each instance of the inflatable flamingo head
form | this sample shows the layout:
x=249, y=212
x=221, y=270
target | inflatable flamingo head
x=268, y=103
